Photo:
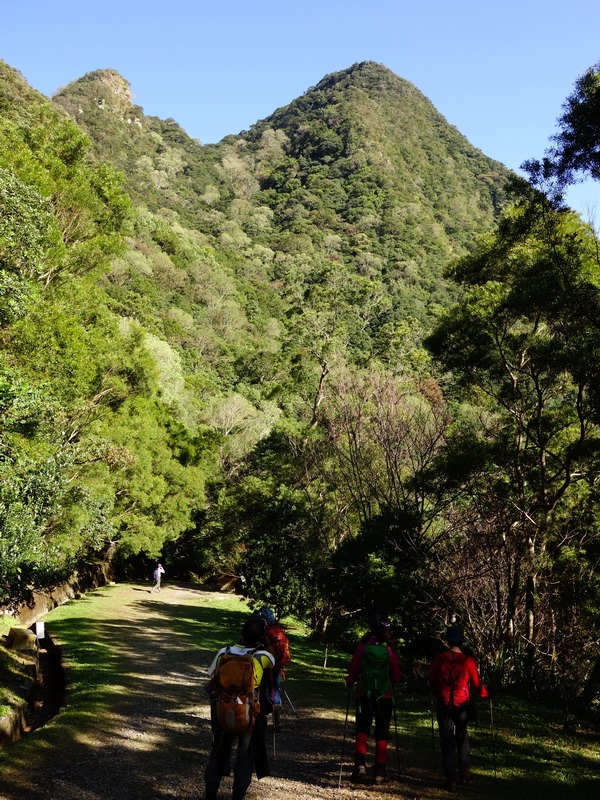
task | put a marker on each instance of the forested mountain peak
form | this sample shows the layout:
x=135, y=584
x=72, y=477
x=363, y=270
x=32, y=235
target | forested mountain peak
x=368, y=106
x=368, y=75
x=366, y=157
x=105, y=89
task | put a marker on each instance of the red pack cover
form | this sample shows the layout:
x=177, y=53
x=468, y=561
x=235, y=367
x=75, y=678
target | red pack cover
x=280, y=644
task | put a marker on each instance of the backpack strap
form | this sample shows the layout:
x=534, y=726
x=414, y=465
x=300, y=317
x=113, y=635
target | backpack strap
x=453, y=678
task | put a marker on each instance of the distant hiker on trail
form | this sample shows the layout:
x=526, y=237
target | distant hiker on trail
x=453, y=679
x=156, y=577
x=374, y=668
x=277, y=643
x=239, y=711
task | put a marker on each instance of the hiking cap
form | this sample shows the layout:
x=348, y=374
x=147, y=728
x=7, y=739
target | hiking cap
x=455, y=635
x=268, y=615
x=381, y=626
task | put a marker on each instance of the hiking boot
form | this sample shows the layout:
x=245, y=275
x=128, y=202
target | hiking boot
x=359, y=774
x=465, y=776
x=211, y=791
x=379, y=773
x=450, y=785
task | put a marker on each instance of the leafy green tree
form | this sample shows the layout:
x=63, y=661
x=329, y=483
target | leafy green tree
x=34, y=482
x=29, y=242
x=82, y=205
x=524, y=346
x=278, y=522
x=575, y=151
x=29, y=235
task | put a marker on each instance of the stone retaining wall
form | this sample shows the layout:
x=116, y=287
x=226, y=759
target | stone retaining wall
x=15, y=724
x=24, y=644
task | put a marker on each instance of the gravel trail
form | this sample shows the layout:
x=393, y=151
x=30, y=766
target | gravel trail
x=151, y=737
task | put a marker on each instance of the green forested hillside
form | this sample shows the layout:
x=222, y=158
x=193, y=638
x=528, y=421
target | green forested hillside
x=361, y=173
x=254, y=360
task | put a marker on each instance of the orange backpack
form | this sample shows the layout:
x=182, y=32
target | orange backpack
x=237, y=701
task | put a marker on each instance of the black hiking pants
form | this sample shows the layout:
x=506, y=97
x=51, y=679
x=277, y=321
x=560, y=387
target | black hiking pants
x=220, y=757
x=379, y=710
x=454, y=739
x=251, y=756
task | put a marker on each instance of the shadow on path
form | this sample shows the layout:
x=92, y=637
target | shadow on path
x=135, y=725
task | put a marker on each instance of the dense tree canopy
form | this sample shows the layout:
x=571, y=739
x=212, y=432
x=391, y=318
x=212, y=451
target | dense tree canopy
x=216, y=355
x=524, y=346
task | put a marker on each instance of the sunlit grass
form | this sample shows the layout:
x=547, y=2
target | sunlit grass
x=529, y=753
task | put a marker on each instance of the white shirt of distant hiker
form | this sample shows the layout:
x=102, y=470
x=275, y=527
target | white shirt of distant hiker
x=156, y=577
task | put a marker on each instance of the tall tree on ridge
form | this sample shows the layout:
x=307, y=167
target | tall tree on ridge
x=524, y=346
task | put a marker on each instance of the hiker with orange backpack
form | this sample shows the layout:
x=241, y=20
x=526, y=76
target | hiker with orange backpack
x=236, y=675
x=375, y=669
x=454, y=679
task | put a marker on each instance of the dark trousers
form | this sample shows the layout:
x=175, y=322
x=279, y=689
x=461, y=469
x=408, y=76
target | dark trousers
x=454, y=739
x=220, y=757
x=367, y=711
x=251, y=756
x=379, y=710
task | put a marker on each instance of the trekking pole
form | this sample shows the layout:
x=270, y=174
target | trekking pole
x=287, y=697
x=397, y=743
x=344, y=740
x=432, y=732
x=493, y=739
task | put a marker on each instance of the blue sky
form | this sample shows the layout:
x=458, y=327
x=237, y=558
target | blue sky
x=498, y=71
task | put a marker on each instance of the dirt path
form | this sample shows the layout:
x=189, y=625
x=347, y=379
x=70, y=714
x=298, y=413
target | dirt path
x=150, y=738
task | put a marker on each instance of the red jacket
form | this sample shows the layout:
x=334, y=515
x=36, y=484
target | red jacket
x=453, y=676
x=354, y=668
x=279, y=644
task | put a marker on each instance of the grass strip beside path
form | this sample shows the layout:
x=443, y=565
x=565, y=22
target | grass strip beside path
x=135, y=726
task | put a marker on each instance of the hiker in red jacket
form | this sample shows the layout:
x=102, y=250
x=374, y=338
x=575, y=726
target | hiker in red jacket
x=374, y=668
x=455, y=681
x=277, y=643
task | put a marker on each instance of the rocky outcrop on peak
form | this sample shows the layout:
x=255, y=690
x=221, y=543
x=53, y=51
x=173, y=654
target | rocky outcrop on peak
x=103, y=89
